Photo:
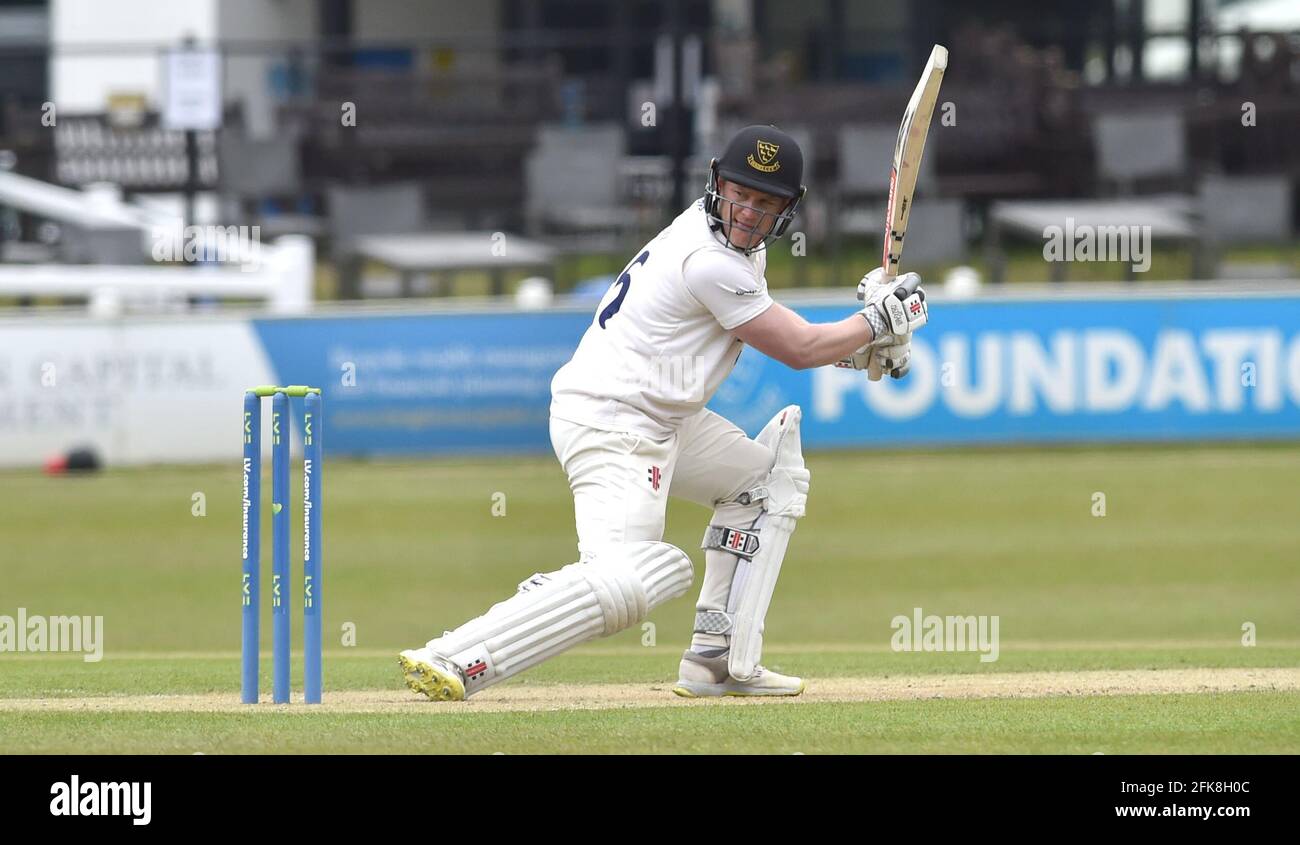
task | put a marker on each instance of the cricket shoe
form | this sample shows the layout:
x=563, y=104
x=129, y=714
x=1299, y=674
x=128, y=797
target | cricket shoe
x=704, y=677
x=434, y=676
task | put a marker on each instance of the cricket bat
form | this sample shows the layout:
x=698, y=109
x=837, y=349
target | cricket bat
x=907, y=164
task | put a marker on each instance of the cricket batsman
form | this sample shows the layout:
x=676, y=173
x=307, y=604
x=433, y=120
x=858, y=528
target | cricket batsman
x=630, y=428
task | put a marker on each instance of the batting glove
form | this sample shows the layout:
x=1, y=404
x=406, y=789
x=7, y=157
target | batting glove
x=895, y=309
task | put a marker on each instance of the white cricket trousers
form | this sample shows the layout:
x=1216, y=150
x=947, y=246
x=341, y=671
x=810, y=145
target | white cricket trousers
x=621, y=480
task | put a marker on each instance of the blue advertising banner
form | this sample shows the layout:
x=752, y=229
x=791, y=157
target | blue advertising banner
x=988, y=371
x=1077, y=370
x=448, y=382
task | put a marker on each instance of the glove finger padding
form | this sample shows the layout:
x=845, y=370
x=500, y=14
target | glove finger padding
x=900, y=304
x=918, y=313
x=894, y=359
x=872, y=279
x=910, y=313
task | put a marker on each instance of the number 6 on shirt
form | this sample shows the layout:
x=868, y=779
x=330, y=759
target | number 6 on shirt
x=626, y=281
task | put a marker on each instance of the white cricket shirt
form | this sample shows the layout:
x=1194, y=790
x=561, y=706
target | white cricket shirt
x=660, y=343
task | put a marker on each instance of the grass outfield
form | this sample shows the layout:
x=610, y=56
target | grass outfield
x=1195, y=543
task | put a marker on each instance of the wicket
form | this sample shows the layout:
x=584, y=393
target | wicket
x=312, y=465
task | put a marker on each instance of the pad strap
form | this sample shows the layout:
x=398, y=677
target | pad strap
x=712, y=622
x=737, y=541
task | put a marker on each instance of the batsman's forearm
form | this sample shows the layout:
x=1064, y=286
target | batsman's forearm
x=830, y=342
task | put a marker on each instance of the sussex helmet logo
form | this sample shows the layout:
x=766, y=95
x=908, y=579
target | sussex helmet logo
x=766, y=161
